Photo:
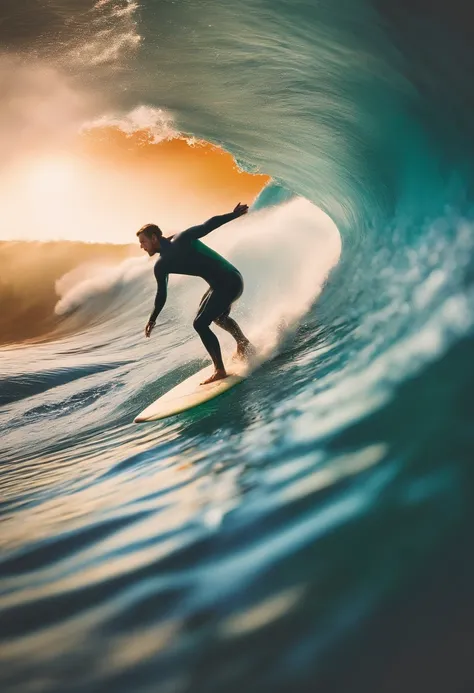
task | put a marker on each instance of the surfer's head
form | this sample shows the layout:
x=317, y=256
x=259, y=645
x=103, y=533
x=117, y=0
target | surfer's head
x=150, y=237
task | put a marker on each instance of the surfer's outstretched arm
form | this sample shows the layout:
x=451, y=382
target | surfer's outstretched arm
x=213, y=223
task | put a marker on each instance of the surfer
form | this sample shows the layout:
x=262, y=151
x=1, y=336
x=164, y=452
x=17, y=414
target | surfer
x=184, y=253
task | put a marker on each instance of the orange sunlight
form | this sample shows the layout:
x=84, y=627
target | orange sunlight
x=109, y=184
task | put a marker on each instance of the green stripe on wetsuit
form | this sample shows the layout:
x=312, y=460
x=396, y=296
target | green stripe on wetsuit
x=204, y=249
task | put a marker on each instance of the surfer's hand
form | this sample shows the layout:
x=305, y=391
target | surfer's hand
x=240, y=210
x=149, y=326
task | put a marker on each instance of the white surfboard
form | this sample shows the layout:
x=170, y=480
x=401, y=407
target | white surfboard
x=190, y=393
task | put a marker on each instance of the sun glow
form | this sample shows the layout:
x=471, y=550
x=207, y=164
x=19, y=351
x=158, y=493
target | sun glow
x=108, y=185
x=51, y=176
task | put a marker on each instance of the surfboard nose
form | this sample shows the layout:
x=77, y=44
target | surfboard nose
x=189, y=394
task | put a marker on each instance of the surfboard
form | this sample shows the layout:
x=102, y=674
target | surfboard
x=190, y=393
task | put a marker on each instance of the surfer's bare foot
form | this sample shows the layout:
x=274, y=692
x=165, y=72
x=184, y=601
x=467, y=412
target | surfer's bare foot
x=245, y=351
x=217, y=375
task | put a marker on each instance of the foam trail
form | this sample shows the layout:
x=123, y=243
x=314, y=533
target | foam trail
x=270, y=247
x=88, y=282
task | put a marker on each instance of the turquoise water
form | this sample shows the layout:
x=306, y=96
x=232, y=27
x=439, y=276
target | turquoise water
x=310, y=529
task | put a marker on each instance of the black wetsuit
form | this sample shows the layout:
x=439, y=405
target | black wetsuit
x=185, y=254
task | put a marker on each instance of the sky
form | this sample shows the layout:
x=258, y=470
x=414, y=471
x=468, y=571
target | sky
x=106, y=184
x=63, y=176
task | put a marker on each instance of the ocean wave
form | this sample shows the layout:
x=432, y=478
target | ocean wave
x=32, y=273
x=324, y=490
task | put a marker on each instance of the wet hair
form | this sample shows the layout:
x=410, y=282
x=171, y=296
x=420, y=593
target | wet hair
x=150, y=230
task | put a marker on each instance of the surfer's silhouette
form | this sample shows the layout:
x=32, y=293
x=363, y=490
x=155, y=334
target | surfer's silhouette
x=184, y=253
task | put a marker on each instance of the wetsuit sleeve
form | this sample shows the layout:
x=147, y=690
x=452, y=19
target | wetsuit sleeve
x=196, y=232
x=161, y=293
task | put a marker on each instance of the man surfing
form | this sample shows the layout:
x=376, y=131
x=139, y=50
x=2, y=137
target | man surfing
x=184, y=253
